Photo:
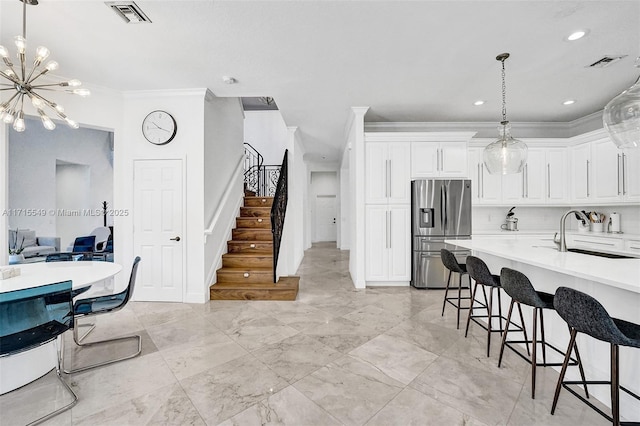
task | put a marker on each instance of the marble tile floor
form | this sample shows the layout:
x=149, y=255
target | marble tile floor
x=335, y=356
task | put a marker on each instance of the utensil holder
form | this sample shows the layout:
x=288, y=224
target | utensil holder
x=597, y=226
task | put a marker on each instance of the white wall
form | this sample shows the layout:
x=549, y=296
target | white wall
x=345, y=203
x=267, y=132
x=33, y=158
x=187, y=107
x=355, y=144
x=293, y=235
x=223, y=178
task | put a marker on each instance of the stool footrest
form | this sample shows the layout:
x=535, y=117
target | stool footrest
x=572, y=361
x=565, y=384
x=500, y=330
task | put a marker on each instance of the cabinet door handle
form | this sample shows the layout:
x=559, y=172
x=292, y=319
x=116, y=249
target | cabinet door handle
x=548, y=181
x=387, y=226
x=482, y=170
x=388, y=191
x=588, y=178
x=619, y=159
x=479, y=180
x=524, y=173
x=624, y=174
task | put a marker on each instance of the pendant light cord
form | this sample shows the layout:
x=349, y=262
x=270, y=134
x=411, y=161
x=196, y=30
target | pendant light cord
x=24, y=20
x=504, y=95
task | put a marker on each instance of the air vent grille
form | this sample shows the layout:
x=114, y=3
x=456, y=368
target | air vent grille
x=606, y=61
x=129, y=12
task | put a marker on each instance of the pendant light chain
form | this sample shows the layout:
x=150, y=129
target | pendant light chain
x=504, y=94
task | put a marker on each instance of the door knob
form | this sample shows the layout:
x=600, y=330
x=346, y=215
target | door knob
x=175, y=239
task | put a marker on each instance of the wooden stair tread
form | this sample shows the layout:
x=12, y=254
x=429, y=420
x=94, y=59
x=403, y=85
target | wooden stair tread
x=278, y=286
x=248, y=269
x=286, y=289
x=249, y=254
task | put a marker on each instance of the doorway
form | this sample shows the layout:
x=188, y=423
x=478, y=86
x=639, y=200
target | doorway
x=326, y=218
x=158, y=223
x=324, y=206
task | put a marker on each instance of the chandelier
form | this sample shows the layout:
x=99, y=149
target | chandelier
x=621, y=116
x=505, y=155
x=23, y=83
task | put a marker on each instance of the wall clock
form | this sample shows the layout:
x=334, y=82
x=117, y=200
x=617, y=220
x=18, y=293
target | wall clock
x=159, y=127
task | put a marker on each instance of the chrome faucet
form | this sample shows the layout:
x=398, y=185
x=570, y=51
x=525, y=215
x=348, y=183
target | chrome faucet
x=562, y=244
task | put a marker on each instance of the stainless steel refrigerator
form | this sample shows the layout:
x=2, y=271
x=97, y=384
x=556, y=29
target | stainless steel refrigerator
x=440, y=209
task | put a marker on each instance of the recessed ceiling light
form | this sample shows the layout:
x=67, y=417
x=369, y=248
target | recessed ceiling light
x=569, y=102
x=577, y=35
x=229, y=80
x=478, y=103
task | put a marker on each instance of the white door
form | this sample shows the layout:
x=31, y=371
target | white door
x=157, y=234
x=326, y=218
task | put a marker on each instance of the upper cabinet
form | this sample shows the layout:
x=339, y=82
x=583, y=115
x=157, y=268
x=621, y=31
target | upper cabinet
x=393, y=159
x=438, y=159
x=487, y=188
x=387, y=170
x=543, y=180
x=604, y=174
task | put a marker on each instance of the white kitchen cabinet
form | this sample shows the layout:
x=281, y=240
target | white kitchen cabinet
x=543, y=180
x=487, y=188
x=607, y=171
x=433, y=159
x=387, y=171
x=557, y=175
x=581, y=172
x=604, y=174
x=388, y=243
x=630, y=163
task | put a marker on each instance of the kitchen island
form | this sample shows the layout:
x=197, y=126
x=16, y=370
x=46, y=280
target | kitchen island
x=615, y=283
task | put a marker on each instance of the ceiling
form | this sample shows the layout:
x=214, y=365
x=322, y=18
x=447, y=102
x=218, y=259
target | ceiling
x=414, y=61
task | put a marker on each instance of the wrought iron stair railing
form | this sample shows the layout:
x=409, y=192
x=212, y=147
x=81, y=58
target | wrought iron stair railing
x=259, y=178
x=278, y=210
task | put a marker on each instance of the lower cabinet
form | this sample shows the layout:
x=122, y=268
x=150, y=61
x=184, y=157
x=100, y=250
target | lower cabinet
x=388, y=243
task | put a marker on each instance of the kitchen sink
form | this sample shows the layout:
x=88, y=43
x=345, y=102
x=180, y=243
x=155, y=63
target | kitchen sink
x=591, y=252
x=601, y=254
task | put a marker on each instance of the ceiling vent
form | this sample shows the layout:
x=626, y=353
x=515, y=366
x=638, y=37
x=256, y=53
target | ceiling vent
x=606, y=61
x=128, y=11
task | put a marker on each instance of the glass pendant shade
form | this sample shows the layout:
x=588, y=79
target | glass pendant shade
x=621, y=118
x=505, y=155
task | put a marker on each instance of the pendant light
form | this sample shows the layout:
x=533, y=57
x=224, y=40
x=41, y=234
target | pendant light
x=506, y=155
x=621, y=116
x=22, y=83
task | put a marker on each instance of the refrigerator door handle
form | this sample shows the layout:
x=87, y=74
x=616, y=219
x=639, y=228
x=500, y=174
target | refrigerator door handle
x=442, y=207
x=446, y=208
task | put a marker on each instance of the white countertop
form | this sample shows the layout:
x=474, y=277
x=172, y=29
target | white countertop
x=81, y=273
x=620, y=273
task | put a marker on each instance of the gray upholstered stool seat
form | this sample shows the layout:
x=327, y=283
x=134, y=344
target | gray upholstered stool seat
x=584, y=314
x=451, y=263
x=479, y=271
x=518, y=286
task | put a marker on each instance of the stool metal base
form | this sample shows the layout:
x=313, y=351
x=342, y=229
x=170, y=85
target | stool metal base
x=455, y=300
x=534, y=342
x=614, y=383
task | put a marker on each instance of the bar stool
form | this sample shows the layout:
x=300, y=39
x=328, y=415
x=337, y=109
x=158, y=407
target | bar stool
x=518, y=286
x=451, y=263
x=479, y=271
x=584, y=314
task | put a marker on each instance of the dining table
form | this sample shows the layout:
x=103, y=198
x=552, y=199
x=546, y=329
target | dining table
x=22, y=368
